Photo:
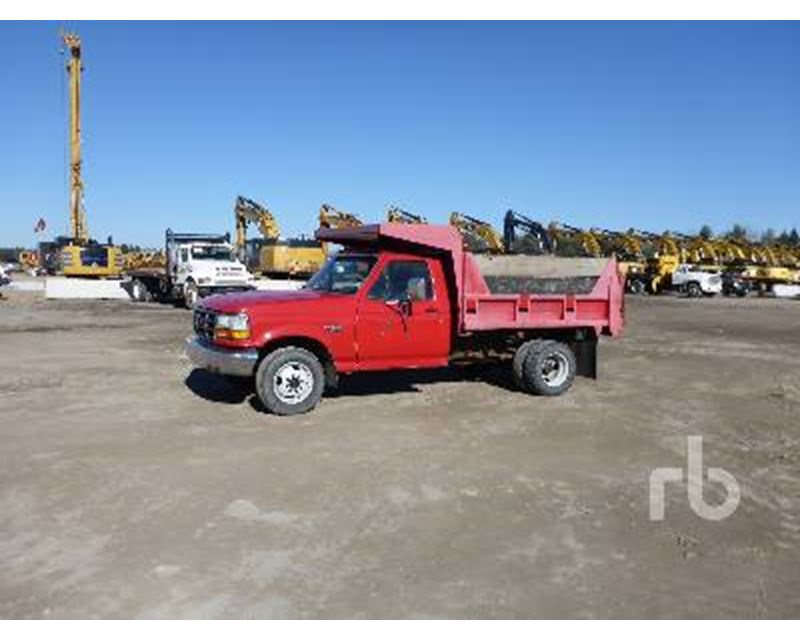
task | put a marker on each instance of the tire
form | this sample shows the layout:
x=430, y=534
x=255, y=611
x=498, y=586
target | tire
x=518, y=364
x=290, y=381
x=140, y=292
x=549, y=369
x=190, y=294
x=693, y=290
x=638, y=287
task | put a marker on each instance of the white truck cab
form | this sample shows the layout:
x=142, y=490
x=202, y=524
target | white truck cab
x=199, y=265
x=196, y=265
x=696, y=282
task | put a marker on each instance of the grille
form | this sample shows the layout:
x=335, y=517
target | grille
x=204, y=323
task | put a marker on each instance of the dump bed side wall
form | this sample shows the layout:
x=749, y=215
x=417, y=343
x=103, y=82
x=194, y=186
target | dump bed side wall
x=598, y=305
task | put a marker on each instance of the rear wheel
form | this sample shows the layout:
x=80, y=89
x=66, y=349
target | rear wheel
x=140, y=292
x=290, y=380
x=518, y=363
x=549, y=368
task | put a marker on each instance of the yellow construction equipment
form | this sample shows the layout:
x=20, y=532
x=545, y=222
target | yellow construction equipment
x=626, y=246
x=29, y=259
x=571, y=240
x=479, y=236
x=332, y=218
x=78, y=254
x=145, y=260
x=398, y=215
x=271, y=255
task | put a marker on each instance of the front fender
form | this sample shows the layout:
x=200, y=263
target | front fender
x=337, y=340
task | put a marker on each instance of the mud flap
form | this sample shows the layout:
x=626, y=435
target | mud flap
x=586, y=357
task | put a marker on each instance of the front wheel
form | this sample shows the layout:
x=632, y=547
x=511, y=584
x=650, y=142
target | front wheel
x=290, y=381
x=190, y=295
x=693, y=290
x=549, y=368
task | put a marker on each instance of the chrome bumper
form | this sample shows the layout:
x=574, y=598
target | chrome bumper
x=231, y=362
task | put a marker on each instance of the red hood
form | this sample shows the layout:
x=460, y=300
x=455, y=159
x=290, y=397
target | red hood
x=246, y=301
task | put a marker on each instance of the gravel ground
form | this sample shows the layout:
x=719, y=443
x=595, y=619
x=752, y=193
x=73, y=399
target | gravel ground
x=132, y=486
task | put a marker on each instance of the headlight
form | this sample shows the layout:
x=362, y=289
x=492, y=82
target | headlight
x=232, y=327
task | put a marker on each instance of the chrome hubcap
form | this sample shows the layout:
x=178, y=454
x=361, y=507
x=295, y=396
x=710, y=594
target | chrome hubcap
x=555, y=369
x=293, y=382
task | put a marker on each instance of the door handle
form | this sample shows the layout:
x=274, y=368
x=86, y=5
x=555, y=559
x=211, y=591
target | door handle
x=431, y=310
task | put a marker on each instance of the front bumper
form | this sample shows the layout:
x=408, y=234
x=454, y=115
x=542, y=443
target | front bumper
x=231, y=362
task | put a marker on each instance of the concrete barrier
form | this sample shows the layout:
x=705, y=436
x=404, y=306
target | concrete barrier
x=786, y=290
x=61, y=288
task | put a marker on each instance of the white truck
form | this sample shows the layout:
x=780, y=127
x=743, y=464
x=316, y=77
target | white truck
x=197, y=265
x=696, y=282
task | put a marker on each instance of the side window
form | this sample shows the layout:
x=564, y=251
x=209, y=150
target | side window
x=401, y=279
x=184, y=255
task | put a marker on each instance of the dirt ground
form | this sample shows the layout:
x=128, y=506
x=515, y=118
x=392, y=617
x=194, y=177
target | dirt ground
x=131, y=486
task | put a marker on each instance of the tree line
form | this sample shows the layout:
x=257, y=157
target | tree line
x=790, y=238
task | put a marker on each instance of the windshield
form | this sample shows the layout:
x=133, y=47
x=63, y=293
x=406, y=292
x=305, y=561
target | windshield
x=342, y=274
x=212, y=252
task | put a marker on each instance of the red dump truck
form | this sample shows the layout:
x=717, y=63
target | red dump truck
x=409, y=296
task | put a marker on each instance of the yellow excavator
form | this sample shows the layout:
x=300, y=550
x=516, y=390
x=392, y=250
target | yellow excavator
x=332, y=218
x=77, y=254
x=479, y=236
x=627, y=247
x=571, y=241
x=271, y=255
x=400, y=216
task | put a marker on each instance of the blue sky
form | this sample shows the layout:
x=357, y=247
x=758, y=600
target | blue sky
x=653, y=125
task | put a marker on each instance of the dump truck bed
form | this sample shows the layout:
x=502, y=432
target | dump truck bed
x=506, y=292
x=538, y=292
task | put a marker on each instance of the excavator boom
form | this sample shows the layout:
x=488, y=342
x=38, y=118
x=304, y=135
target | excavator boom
x=479, y=236
x=331, y=218
x=398, y=215
x=78, y=228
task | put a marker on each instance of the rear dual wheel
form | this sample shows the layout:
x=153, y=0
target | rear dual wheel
x=544, y=367
x=140, y=292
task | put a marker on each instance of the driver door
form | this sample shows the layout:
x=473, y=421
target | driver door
x=401, y=321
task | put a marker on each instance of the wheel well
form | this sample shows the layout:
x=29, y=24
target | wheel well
x=314, y=346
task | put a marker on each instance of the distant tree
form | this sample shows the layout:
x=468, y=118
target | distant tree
x=768, y=237
x=794, y=237
x=784, y=238
x=706, y=232
x=737, y=232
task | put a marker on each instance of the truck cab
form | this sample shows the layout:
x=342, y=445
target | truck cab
x=197, y=265
x=201, y=267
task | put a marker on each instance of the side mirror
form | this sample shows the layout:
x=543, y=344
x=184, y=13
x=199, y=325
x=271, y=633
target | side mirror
x=406, y=305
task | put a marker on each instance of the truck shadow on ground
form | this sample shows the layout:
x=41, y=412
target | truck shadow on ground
x=217, y=388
